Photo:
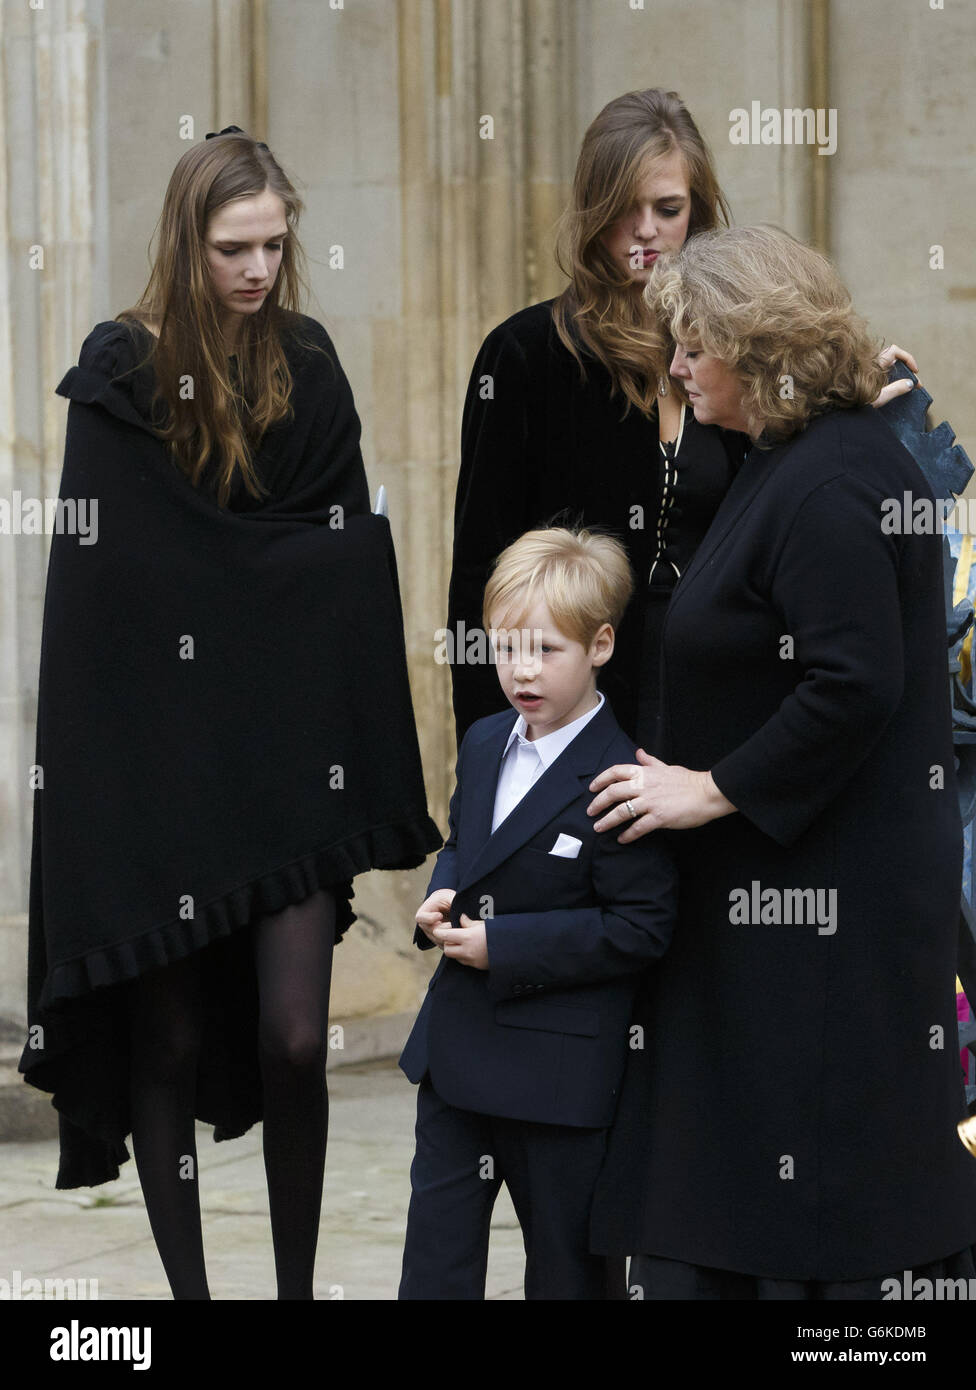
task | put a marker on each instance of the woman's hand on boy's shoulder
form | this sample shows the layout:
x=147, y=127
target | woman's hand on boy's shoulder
x=651, y=795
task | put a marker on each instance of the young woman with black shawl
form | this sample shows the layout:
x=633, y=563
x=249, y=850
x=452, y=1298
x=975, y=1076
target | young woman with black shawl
x=225, y=735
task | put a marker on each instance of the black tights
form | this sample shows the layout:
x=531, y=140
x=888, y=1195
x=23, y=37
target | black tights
x=293, y=958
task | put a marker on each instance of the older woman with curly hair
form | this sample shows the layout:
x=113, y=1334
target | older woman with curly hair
x=787, y=1127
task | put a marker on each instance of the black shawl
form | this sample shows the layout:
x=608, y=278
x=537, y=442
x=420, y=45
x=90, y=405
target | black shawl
x=224, y=725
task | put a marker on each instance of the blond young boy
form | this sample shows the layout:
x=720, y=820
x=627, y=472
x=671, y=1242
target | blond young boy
x=545, y=926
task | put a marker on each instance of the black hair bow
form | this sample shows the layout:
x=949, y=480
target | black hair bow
x=232, y=130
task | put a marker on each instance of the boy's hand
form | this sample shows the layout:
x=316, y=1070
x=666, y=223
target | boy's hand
x=435, y=912
x=467, y=943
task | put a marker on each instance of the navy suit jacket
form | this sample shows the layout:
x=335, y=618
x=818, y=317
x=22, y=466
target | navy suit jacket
x=543, y=1033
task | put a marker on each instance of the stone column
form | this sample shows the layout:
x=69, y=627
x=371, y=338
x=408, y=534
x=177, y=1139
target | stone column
x=51, y=224
x=49, y=127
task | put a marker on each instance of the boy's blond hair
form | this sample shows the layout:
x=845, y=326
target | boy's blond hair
x=583, y=576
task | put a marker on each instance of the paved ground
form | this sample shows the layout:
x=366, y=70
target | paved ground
x=103, y=1233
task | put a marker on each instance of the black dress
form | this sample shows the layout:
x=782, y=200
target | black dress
x=789, y=1128
x=224, y=727
x=541, y=447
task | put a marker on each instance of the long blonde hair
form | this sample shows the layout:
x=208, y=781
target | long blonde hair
x=598, y=312
x=217, y=431
x=775, y=312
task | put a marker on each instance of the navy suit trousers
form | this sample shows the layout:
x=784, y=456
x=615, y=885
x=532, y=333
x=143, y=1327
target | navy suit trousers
x=461, y=1160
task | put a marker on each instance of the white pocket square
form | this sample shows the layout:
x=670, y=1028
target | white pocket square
x=567, y=847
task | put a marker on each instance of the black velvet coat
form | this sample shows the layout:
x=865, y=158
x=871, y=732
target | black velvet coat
x=224, y=726
x=541, y=447
x=793, y=1112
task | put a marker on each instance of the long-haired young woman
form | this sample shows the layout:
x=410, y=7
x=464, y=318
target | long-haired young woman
x=225, y=729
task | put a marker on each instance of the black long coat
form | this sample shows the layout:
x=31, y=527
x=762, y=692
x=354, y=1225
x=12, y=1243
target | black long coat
x=224, y=726
x=537, y=441
x=793, y=1112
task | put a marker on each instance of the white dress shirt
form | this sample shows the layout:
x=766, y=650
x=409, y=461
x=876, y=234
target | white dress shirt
x=525, y=760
